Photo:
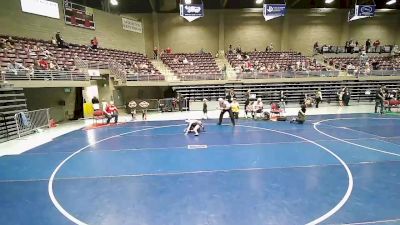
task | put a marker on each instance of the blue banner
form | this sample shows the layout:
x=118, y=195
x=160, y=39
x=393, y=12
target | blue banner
x=361, y=11
x=191, y=11
x=365, y=10
x=272, y=11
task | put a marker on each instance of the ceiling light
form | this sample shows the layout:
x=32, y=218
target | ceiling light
x=188, y=2
x=391, y=2
x=259, y=1
x=114, y=2
x=329, y=1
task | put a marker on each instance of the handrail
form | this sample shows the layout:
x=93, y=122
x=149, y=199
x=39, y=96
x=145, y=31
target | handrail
x=46, y=75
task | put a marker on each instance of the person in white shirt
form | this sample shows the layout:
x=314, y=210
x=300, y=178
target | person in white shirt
x=185, y=61
x=318, y=97
x=258, y=107
x=225, y=106
x=15, y=67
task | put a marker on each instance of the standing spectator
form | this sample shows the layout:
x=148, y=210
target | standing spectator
x=225, y=106
x=271, y=47
x=3, y=43
x=318, y=97
x=205, y=110
x=30, y=71
x=368, y=45
x=230, y=50
x=155, y=53
x=282, y=99
x=224, y=71
x=379, y=99
x=168, y=50
x=230, y=95
x=376, y=44
x=316, y=48
x=247, y=102
x=111, y=112
x=235, y=108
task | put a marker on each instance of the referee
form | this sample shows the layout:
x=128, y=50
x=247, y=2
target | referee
x=225, y=106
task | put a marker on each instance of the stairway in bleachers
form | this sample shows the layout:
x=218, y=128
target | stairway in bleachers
x=230, y=72
x=12, y=101
x=164, y=70
x=295, y=91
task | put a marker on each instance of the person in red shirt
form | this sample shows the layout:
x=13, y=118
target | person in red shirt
x=43, y=64
x=94, y=42
x=111, y=112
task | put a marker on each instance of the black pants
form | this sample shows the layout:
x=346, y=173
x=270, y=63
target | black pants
x=380, y=104
x=221, y=115
x=317, y=100
x=109, y=117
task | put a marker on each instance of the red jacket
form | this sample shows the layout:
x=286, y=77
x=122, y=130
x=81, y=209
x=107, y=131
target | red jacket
x=111, y=109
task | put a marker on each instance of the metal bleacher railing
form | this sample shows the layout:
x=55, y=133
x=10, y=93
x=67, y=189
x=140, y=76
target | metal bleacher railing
x=28, y=122
x=342, y=49
x=287, y=74
x=47, y=75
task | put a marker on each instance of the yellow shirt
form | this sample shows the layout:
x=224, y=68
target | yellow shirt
x=235, y=107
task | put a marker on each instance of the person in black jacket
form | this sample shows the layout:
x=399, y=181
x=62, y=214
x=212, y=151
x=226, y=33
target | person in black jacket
x=379, y=98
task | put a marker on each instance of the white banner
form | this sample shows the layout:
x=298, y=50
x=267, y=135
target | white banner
x=132, y=25
x=94, y=73
x=41, y=7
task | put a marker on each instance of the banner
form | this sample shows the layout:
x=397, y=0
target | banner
x=272, y=11
x=132, y=25
x=78, y=15
x=361, y=11
x=191, y=11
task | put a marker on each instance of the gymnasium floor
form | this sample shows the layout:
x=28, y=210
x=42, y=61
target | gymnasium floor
x=334, y=169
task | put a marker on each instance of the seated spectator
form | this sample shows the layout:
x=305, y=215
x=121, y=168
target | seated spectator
x=301, y=116
x=258, y=107
x=14, y=67
x=53, y=41
x=185, y=61
x=168, y=50
x=111, y=112
x=94, y=43
x=60, y=41
x=3, y=43
x=46, y=53
x=44, y=65
x=53, y=65
x=238, y=56
x=10, y=43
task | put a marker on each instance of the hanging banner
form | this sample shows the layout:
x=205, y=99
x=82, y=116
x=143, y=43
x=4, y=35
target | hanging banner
x=361, y=11
x=272, y=11
x=132, y=25
x=191, y=11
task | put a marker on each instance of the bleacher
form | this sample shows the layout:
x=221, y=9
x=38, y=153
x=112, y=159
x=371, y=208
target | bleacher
x=273, y=64
x=65, y=57
x=384, y=62
x=200, y=66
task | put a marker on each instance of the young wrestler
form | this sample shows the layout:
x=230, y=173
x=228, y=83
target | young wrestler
x=194, y=126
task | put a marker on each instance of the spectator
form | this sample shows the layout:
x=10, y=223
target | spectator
x=46, y=53
x=368, y=45
x=14, y=67
x=376, y=44
x=3, y=43
x=44, y=65
x=53, y=66
x=10, y=43
x=185, y=61
x=155, y=53
x=301, y=116
x=30, y=71
x=379, y=99
x=111, y=112
x=316, y=48
x=271, y=47
x=60, y=41
x=318, y=97
x=258, y=107
x=230, y=50
x=94, y=43
x=53, y=41
x=168, y=50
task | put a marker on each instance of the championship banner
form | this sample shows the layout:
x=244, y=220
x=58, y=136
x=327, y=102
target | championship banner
x=78, y=15
x=272, y=11
x=132, y=25
x=361, y=11
x=191, y=11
